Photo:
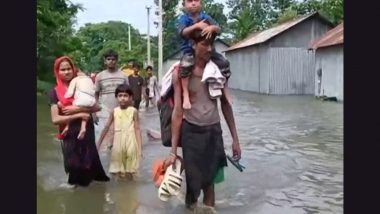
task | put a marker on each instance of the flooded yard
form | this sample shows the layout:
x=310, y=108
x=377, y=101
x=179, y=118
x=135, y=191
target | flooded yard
x=292, y=147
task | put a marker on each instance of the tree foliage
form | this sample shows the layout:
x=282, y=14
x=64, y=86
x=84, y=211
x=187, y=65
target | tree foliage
x=248, y=16
x=169, y=25
x=54, y=33
x=56, y=36
x=287, y=15
x=332, y=9
x=97, y=38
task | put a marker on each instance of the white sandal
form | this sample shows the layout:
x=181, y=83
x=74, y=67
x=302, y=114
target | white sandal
x=171, y=184
x=163, y=193
x=174, y=178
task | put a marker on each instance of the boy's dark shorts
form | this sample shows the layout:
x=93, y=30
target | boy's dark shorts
x=187, y=62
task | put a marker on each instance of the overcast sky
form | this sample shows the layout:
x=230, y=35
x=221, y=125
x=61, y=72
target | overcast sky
x=129, y=11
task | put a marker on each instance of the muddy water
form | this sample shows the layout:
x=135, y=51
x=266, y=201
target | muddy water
x=292, y=149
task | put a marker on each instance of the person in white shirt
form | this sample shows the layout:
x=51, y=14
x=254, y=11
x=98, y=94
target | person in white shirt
x=151, y=91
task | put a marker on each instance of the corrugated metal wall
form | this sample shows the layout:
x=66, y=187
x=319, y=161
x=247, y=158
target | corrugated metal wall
x=245, y=69
x=264, y=75
x=291, y=71
x=330, y=60
x=277, y=71
x=301, y=35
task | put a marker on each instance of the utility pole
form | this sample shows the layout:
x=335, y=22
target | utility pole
x=160, y=58
x=148, y=35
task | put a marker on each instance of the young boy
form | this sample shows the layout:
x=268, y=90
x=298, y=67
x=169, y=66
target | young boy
x=151, y=90
x=195, y=19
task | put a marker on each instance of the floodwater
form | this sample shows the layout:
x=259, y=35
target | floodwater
x=292, y=147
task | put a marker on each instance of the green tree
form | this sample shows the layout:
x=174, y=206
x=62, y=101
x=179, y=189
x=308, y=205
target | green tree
x=215, y=10
x=282, y=10
x=97, y=38
x=308, y=6
x=169, y=25
x=248, y=16
x=282, y=5
x=333, y=10
x=288, y=9
x=287, y=15
x=54, y=33
x=243, y=24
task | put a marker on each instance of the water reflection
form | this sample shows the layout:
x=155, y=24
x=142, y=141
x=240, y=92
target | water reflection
x=84, y=200
x=123, y=197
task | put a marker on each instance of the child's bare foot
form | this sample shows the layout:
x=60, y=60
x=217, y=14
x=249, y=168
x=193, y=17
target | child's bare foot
x=81, y=134
x=186, y=106
x=114, y=176
x=130, y=176
x=64, y=131
x=186, y=103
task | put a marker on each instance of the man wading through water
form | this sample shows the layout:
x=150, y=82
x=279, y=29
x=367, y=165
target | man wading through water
x=105, y=86
x=199, y=128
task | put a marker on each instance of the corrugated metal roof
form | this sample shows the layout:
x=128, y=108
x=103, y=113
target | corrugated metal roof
x=265, y=35
x=332, y=37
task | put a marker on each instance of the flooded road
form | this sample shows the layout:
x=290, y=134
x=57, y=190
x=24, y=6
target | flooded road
x=292, y=147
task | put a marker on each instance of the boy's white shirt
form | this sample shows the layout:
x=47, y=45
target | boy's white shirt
x=82, y=89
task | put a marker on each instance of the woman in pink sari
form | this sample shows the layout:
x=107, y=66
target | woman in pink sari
x=81, y=159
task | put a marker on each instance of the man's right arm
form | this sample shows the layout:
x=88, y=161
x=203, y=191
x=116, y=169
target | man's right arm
x=177, y=113
x=230, y=120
